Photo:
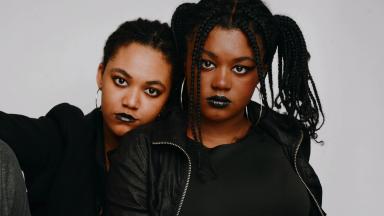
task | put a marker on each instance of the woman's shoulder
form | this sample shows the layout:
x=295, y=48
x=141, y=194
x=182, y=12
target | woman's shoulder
x=65, y=113
x=282, y=127
x=272, y=117
x=70, y=120
x=169, y=129
x=162, y=128
x=65, y=110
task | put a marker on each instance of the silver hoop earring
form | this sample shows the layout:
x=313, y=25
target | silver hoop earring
x=181, y=93
x=97, y=97
x=261, y=108
x=261, y=105
x=246, y=112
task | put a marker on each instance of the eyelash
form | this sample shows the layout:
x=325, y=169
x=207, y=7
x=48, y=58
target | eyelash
x=247, y=69
x=116, y=80
x=203, y=61
x=157, y=92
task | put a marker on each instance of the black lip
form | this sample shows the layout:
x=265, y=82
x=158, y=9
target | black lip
x=125, y=117
x=219, y=102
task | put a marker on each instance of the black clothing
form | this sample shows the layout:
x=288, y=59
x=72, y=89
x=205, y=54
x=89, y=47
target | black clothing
x=252, y=177
x=62, y=156
x=150, y=171
x=13, y=195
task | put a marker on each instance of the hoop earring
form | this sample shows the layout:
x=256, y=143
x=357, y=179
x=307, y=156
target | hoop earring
x=261, y=108
x=246, y=112
x=181, y=93
x=261, y=105
x=97, y=97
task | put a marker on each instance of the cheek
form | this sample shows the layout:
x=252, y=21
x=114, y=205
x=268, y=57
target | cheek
x=206, y=79
x=245, y=89
x=151, y=107
x=111, y=97
x=248, y=88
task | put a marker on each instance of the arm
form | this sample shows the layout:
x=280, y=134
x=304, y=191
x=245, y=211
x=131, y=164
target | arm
x=31, y=139
x=13, y=196
x=38, y=142
x=127, y=180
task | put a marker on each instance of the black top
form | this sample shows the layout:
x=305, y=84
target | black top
x=150, y=169
x=251, y=177
x=62, y=156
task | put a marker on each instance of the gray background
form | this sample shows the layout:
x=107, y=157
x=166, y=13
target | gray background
x=50, y=50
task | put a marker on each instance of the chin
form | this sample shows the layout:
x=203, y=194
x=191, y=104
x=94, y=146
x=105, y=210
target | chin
x=219, y=115
x=215, y=116
x=120, y=130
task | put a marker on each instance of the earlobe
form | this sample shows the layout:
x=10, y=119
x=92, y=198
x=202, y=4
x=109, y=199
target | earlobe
x=99, y=76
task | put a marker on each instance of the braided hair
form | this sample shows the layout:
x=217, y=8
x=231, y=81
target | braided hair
x=297, y=93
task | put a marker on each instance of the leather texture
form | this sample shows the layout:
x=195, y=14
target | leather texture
x=150, y=168
x=13, y=196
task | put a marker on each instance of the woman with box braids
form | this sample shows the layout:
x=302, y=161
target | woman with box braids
x=296, y=88
x=224, y=154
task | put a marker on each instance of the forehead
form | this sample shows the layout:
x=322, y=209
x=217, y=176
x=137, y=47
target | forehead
x=228, y=41
x=141, y=61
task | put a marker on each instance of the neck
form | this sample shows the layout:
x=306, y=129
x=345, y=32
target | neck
x=228, y=131
x=110, y=143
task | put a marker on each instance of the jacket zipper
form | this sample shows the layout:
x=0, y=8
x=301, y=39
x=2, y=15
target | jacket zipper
x=301, y=179
x=189, y=173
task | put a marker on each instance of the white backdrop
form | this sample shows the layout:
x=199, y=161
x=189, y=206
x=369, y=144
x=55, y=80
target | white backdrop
x=50, y=50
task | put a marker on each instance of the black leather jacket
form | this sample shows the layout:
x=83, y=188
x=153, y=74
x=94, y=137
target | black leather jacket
x=151, y=169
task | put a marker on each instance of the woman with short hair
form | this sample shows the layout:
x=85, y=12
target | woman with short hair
x=65, y=154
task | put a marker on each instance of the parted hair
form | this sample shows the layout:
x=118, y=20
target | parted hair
x=297, y=93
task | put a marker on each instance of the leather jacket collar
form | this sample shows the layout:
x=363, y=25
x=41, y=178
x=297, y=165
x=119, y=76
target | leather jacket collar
x=285, y=130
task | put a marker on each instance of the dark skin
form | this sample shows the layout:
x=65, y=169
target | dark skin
x=228, y=69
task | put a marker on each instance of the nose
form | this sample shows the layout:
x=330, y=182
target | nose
x=131, y=98
x=222, y=79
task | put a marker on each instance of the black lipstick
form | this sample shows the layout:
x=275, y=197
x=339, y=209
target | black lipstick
x=219, y=102
x=125, y=117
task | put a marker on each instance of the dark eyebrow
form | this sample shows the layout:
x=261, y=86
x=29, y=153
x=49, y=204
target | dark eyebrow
x=244, y=58
x=155, y=82
x=121, y=71
x=209, y=53
x=239, y=59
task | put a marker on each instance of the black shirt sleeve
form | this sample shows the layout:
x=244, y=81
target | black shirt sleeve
x=38, y=142
x=127, y=179
x=31, y=139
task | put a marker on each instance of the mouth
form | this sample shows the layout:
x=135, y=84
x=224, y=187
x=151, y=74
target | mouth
x=219, y=102
x=127, y=118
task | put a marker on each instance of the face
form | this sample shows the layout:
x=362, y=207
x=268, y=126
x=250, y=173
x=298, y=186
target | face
x=228, y=75
x=135, y=86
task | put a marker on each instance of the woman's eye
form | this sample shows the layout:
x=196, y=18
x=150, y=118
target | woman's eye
x=120, y=81
x=207, y=65
x=240, y=69
x=152, y=92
